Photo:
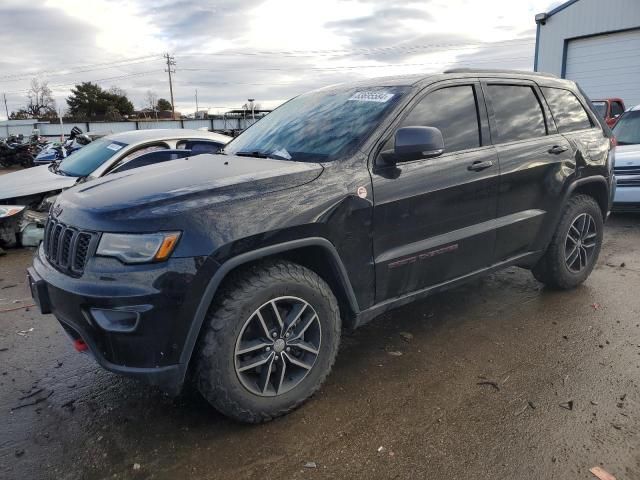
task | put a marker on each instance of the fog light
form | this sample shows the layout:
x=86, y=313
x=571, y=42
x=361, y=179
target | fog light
x=116, y=320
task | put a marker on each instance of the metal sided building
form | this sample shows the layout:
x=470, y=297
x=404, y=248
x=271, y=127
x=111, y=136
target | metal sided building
x=594, y=42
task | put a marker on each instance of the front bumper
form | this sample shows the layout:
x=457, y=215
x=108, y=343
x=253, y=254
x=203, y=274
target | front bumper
x=157, y=300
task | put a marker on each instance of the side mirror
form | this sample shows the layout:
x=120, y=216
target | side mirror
x=413, y=143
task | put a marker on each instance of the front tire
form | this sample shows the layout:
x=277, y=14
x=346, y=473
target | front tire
x=575, y=246
x=270, y=339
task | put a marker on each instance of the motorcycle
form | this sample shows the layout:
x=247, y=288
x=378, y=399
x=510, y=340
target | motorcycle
x=59, y=151
x=14, y=152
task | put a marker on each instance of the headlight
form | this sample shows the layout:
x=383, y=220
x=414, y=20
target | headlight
x=10, y=210
x=138, y=248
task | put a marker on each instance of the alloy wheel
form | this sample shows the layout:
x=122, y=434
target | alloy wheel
x=580, y=243
x=277, y=346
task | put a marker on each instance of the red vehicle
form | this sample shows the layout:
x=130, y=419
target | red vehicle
x=610, y=109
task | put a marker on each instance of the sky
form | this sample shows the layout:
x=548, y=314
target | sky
x=268, y=50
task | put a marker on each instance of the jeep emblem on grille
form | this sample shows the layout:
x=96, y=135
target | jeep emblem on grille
x=57, y=210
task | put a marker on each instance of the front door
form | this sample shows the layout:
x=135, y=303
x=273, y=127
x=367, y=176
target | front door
x=434, y=217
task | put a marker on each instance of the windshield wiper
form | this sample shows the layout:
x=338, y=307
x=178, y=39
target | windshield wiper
x=254, y=153
x=259, y=154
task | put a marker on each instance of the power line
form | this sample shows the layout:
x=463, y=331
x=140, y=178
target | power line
x=83, y=68
x=72, y=84
x=73, y=72
x=366, y=51
x=349, y=67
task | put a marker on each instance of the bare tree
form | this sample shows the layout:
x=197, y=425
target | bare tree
x=151, y=99
x=40, y=98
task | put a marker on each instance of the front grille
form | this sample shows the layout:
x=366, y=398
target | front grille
x=628, y=182
x=67, y=248
x=631, y=170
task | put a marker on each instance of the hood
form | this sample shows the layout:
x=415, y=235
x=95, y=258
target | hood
x=169, y=189
x=626, y=155
x=31, y=181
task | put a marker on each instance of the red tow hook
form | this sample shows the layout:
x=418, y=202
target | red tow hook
x=80, y=346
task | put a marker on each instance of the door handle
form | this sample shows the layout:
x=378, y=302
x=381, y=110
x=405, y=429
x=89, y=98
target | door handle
x=479, y=165
x=556, y=149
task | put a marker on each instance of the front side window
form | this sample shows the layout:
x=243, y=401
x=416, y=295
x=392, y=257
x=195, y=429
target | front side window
x=319, y=126
x=454, y=112
x=517, y=112
x=566, y=109
x=616, y=109
x=627, y=130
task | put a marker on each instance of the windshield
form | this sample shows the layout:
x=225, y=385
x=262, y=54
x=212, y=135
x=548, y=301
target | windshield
x=601, y=108
x=627, y=130
x=319, y=126
x=87, y=159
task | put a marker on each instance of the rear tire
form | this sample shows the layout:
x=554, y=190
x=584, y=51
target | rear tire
x=242, y=328
x=575, y=246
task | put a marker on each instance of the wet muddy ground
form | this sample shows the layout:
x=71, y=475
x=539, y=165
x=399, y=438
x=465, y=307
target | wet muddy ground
x=498, y=379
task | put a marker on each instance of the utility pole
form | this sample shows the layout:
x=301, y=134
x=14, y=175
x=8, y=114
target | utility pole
x=171, y=62
x=6, y=109
x=196, y=102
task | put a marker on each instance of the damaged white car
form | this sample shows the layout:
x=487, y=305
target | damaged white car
x=35, y=189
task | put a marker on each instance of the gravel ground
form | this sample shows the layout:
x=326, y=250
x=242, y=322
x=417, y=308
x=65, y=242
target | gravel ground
x=498, y=379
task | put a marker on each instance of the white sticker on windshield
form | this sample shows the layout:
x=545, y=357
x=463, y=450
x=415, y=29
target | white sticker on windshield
x=114, y=146
x=379, y=97
x=282, y=153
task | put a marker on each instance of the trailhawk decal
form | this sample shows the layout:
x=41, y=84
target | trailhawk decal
x=423, y=256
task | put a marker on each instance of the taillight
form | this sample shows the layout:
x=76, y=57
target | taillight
x=613, y=141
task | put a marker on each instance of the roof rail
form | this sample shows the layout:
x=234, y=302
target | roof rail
x=497, y=70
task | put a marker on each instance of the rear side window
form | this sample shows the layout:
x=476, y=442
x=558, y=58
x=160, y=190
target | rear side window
x=198, y=147
x=567, y=110
x=453, y=110
x=517, y=112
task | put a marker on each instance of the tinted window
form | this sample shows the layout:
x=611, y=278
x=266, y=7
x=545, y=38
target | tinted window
x=151, y=158
x=627, y=130
x=567, y=110
x=600, y=107
x=616, y=109
x=199, y=146
x=517, y=112
x=452, y=110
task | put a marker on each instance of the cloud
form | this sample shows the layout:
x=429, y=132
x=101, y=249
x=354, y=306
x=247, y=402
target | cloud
x=220, y=45
x=384, y=27
x=187, y=24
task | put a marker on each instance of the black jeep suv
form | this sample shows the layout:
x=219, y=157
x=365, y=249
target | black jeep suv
x=239, y=270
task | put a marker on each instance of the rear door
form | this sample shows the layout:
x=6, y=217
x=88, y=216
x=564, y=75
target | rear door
x=578, y=126
x=534, y=162
x=434, y=217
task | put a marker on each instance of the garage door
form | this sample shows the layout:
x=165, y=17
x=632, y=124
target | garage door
x=607, y=65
